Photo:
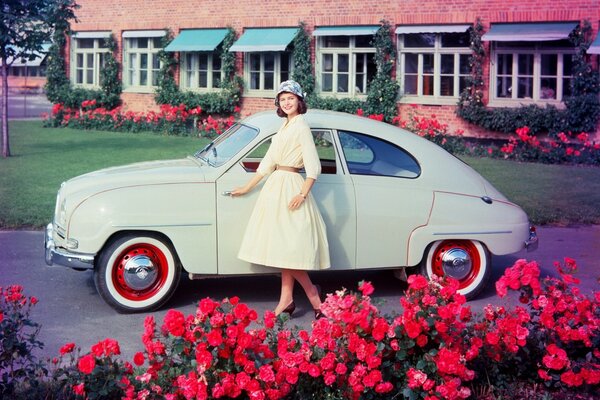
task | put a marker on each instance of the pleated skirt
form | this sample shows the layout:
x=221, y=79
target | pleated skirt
x=281, y=238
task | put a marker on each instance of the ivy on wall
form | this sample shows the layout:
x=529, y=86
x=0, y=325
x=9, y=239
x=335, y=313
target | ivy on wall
x=302, y=72
x=221, y=102
x=582, y=110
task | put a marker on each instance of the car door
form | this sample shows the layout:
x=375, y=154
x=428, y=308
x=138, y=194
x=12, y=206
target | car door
x=390, y=202
x=332, y=191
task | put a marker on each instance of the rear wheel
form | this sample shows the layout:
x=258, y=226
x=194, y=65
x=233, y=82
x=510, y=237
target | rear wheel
x=467, y=261
x=137, y=273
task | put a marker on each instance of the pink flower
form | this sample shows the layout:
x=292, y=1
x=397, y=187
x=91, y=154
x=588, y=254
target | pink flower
x=87, y=364
x=67, y=348
x=366, y=288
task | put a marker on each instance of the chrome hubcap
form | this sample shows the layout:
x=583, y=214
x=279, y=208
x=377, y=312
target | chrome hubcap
x=456, y=263
x=140, y=272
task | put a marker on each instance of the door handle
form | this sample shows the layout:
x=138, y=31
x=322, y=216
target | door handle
x=226, y=193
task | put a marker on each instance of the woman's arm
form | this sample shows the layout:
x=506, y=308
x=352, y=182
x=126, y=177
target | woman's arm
x=248, y=187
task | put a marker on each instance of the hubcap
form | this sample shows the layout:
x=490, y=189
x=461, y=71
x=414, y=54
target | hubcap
x=139, y=272
x=456, y=263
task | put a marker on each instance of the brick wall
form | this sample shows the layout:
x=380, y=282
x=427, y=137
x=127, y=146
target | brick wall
x=118, y=16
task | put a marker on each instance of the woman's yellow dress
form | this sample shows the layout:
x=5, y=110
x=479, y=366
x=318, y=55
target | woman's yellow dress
x=276, y=236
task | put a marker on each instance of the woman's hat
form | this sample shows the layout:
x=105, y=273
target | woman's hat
x=289, y=87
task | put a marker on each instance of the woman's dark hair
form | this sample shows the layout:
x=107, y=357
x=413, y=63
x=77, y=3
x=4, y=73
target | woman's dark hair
x=301, y=108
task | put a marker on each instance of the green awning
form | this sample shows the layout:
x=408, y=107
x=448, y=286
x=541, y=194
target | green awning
x=264, y=39
x=529, y=32
x=346, y=30
x=197, y=40
x=595, y=46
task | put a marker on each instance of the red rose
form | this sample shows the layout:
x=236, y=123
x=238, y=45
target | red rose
x=138, y=358
x=174, y=323
x=87, y=364
x=67, y=348
x=366, y=288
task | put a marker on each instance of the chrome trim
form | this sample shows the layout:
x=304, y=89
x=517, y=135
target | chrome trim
x=61, y=256
x=472, y=233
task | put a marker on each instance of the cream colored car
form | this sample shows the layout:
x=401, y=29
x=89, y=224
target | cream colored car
x=390, y=200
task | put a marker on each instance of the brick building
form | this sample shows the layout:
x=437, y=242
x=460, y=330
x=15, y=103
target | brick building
x=528, y=59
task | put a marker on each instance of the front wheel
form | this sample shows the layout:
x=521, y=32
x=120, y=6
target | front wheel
x=467, y=261
x=137, y=273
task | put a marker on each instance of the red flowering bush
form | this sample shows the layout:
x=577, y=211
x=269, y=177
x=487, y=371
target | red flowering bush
x=436, y=348
x=174, y=120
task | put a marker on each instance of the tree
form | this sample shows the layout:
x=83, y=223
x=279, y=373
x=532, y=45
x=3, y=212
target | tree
x=26, y=25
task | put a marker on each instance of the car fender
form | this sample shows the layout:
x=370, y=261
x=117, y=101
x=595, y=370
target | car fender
x=183, y=212
x=500, y=225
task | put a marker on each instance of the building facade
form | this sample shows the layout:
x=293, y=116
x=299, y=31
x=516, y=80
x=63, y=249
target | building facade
x=528, y=57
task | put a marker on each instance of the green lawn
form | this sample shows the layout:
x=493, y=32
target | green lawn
x=43, y=158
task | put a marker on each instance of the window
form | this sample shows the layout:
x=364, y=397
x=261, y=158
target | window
x=201, y=70
x=433, y=66
x=530, y=73
x=141, y=65
x=345, y=64
x=266, y=70
x=367, y=155
x=88, y=58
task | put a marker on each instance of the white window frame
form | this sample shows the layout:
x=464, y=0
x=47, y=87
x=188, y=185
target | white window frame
x=132, y=73
x=97, y=53
x=186, y=70
x=277, y=73
x=537, y=50
x=437, y=51
x=353, y=53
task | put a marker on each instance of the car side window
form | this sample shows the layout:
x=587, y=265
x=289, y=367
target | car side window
x=323, y=143
x=368, y=155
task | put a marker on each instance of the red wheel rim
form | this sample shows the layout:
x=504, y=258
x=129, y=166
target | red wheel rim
x=467, y=249
x=152, y=255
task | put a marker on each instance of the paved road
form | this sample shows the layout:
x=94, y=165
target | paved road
x=27, y=105
x=71, y=310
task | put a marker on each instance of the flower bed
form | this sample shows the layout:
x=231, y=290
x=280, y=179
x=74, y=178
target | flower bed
x=435, y=348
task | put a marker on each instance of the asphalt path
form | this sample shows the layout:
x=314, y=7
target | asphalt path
x=70, y=310
x=27, y=105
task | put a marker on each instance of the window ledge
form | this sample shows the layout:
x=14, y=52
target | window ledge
x=516, y=103
x=140, y=89
x=436, y=101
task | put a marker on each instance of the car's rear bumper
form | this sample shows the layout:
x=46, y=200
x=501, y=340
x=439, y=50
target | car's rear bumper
x=531, y=244
x=61, y=256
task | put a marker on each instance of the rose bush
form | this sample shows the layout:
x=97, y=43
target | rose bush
x=434, y=348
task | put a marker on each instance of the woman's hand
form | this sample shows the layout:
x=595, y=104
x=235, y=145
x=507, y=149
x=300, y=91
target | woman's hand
x=239, y=192
x=296, y=202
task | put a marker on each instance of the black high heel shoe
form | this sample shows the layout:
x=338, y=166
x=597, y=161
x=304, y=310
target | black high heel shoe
x=318, y=312
x=289, y=309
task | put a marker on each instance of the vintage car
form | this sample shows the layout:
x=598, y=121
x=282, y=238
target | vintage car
x=390, y=200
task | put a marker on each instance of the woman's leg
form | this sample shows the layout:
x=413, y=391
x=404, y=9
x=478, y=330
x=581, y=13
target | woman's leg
x=311, y=290
x=287, y=291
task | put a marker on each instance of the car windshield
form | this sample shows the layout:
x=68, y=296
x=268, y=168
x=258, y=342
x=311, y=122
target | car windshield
x=227, y=145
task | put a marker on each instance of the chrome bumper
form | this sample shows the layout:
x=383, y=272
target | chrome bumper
x=531, y=244
x=63, y=257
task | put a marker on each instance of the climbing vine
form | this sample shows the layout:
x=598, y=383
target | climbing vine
x=303, y=70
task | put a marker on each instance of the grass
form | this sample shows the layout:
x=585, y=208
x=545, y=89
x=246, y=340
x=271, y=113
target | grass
x=43, y=158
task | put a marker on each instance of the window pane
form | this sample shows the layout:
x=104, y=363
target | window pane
x=327, y=85
x=371, y=67
x=504, y=87
x=505, y=62
x=216, y=62
x=327, y=62
x=342, y=83
x=284, y=76
x=255, y=62
x=156, y=43
x=102, y=44
x=548, y=88
x=343, y=62
x=269, y=61
x=203, y=79
x=447, y=86
x=90, y=61
x=142, y=43
x=455, y=39
x=133, y=67
x=255, y=80
x=269, y=81
x=464, y=64
x=427, y=85
x=462, y=82
x=336, y=41
x=419, y=40
x=79, y=78
x=155, y=62
x=410, y=84
x=411, y=63
x=525, y=64
x=447, y=65
x=143, y=77
x=284, y=62
x=89, y=76
x=85, y=43
x=216, y=79
x=202, y=62
x=525, y=90
x=79, y=61
x=549, y=64
x=363, y=41
x=567, y=65
x=143, y=61
x=428, y=63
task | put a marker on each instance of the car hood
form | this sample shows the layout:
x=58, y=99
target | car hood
x=186, y=170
